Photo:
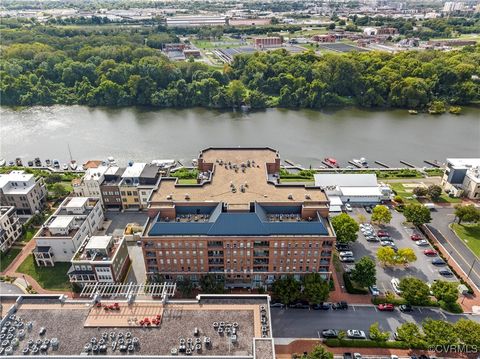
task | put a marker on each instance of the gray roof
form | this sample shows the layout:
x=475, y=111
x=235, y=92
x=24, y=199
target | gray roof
x=346, y=179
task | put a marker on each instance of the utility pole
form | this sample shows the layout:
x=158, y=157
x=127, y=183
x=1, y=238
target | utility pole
x=471, y=267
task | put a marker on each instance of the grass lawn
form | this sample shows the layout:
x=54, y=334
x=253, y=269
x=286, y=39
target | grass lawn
x=53, y=278
x=470, y=234
x=298, y=180
x=445, y=198
x=28, y=235
x=187, y=181
x=7, y=258
x=403, y=192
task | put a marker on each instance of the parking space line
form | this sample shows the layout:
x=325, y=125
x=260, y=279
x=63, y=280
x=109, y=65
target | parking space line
x=420, y=310
x=353, y=307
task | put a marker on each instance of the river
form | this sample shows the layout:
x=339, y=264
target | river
x=303, y=136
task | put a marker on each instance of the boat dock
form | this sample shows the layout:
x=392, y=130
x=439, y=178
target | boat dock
x=407, y=164
x=382, y=164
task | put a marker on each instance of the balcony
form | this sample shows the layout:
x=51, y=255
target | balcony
x=260, y=253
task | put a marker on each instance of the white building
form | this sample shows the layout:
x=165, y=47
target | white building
x=10, y=227
x=100, y=259
x=63, y=233
x=462, y=177
x=23, y=191
x=353, y=188
x=89, y=184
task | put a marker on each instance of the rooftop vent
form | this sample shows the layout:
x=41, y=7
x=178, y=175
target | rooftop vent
x=307, y=196
x=169, y=196
x=290, y=196
x=187, y=196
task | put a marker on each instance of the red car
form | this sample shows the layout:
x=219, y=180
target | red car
x=429, y=252
x=415, y=237
x=382, y=234
x=387, y=307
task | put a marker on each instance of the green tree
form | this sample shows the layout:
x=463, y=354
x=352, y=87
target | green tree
x=315, y=289
x=286, y=289
x=420, y=191
x=411, y=334
x=345, y=227
x=186, y=287
x=468, y=331
x=58, y=190
x=365, y=272
x=381, y=214
x=434, y=192
x=236, y=93
x=414, y=291
x=439, y=332
x=445, y=291
x=467, y=213
x=386, y=256
x=377, y=335
x=209, y=284
x=417, y=214
x=319, y=352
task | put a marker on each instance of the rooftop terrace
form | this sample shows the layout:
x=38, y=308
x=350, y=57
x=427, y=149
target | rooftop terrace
x=178, y=321
x=238, y=177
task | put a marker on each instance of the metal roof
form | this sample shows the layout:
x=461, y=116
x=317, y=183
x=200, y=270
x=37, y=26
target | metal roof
x=346, y=179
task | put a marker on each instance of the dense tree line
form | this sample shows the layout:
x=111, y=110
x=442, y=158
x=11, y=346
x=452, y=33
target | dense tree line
x=46, y=65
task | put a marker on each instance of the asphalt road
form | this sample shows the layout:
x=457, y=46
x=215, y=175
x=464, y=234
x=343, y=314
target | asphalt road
x=441, y=218
x=304, y=323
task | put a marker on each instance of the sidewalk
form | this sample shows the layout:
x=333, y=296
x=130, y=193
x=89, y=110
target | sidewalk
x=340, y=294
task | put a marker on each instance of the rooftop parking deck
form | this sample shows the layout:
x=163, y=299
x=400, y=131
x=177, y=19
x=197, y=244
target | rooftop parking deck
x=239, y=176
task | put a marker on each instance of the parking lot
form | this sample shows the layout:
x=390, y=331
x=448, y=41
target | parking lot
x=422, y=268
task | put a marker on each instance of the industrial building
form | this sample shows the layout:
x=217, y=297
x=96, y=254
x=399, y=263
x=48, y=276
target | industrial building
x=194, y=21
x=237, y=223
x=342, y=188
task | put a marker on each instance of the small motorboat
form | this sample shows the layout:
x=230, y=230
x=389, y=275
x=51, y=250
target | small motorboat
x=413, y=112
x=11, y=163
x=3, y=162
x=361, y=162
x=56, y=164
x=37, y=162
x=18, y=162
x=65, y=167
x=48, y=163
x=30, y=163
x=73, y=165
x=331, y=161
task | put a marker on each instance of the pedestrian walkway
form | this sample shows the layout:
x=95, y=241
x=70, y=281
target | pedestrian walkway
x=340, y=293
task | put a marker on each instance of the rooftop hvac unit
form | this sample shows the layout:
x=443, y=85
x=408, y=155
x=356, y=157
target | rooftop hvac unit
x=290, y=196
x=169, y=197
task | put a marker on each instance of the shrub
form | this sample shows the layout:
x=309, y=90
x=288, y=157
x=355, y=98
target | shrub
x=450, y=307
x=354, y=343
x=351, y=289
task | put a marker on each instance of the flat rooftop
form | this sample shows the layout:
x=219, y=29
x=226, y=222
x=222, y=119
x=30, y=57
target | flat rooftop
x=254, y=179
x=178, y=321
x=464, y=162
x=76, y=202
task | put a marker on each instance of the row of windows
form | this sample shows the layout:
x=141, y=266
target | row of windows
x=129, y=193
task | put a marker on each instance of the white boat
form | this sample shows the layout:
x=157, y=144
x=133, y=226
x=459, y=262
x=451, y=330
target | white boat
x=361, y=162
x=73, y=165
x=65, y=167
x=111, y=161
x=3, y=162
x=164, y=163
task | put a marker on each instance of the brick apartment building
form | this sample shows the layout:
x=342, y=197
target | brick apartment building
x=237, y=223
x=265, y=42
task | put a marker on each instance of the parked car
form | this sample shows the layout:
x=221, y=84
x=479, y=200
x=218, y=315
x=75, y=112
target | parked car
x=430, y=252
x=383, y=234
x=276, y=305
x=347, y=259
x=356, y=334
x=422, y=243
x=438, y=262
x=396, y=285
x=347, y=356
x=299, y=305
x=368, y=209
x=330, y=333
x=340, y=305
x=346, y=254
x=374, y=290
x=372, y=239
x=415, y=237
x=348, y=207
x=445, y=272
x=322, y=306
x=405, y=308
x=357, y=356
x=386, y=307
x=342, y=246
